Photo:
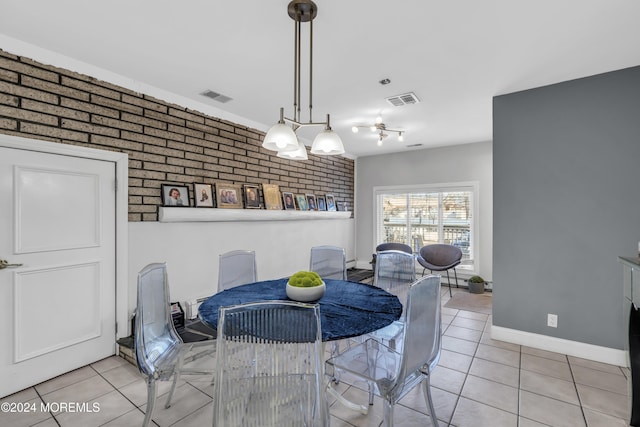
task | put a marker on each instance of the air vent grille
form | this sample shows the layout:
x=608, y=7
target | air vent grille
x=216, y=96
x=404, y=99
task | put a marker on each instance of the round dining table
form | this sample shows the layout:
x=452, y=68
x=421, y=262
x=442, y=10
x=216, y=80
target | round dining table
x=347, y=309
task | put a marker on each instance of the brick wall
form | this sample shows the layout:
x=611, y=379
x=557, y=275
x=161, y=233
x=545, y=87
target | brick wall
x=166, y=143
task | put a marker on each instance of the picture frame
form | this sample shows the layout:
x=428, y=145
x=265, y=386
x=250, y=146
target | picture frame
x=322, y=203
x=311, y=202
x=272, y=197
x=203, y=195
x=228, y=196
x=301, y=201
x=175, y=195
x=331, y=203
x=252, y=196
x=288, y=201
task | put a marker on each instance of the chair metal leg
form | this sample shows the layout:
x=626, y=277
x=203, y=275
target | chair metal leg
x=426, y=388
x=387, y=414
x=449, y=282
x=455, y=274
x=177, y=371
x=151, y=400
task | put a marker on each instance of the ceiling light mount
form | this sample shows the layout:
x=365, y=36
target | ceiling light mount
x=277, y=138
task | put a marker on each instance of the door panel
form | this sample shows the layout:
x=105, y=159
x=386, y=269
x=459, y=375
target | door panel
x=72, y=202
x=58, y=308
x=41, y=294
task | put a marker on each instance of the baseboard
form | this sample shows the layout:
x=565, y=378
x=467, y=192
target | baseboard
x=596, y=353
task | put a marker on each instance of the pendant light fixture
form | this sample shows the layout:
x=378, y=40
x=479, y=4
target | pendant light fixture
x=281, y=137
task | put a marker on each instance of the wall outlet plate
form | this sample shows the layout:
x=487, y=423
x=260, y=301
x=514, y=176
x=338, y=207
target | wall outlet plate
x=552, y=320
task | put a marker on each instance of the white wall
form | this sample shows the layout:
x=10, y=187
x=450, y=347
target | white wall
x=191, y=249
x=461, y=163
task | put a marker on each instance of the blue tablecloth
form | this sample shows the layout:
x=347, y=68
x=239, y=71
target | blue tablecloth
x=348, y=309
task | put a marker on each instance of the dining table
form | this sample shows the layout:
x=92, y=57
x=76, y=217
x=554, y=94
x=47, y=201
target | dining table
x=347, y=309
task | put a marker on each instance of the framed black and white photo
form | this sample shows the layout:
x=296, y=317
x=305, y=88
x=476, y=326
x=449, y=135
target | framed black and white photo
x=289, y=203
x=322, y=203
x=331, y=203
x=228, y=196
x=203, y=195
x=175, y=195
x=251, y=196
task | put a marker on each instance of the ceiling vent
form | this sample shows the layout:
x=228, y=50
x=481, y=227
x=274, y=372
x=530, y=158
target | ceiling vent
x=216, y=96
x=404, y=99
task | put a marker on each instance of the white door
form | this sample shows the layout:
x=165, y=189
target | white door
x=57, y=310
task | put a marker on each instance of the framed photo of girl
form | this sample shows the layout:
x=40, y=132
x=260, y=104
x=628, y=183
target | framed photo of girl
x=322, y=203
x=311, y=201
x=175, y=195
x=331, y=203
x=203, y=195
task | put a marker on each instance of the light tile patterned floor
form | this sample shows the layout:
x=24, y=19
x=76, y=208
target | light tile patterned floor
x=478, y=382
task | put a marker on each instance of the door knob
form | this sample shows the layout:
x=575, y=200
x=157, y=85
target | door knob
x=5, y=264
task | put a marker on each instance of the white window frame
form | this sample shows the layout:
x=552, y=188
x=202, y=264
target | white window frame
x=471, y=186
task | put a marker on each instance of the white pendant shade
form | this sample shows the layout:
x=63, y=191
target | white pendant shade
x=299, y=154
x=280, y=138
x=327, y=143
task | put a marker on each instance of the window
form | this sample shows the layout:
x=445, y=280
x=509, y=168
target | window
x=426, y=214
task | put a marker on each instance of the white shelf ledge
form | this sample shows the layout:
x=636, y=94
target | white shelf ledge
x=166, y=214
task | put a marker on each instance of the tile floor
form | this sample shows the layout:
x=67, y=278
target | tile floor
x=478, y=382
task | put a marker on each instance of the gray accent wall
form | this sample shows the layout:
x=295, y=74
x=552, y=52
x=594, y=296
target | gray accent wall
x=454, y=164
x=566, y=191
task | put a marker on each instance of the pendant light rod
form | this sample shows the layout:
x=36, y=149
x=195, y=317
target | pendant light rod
x=327, y=142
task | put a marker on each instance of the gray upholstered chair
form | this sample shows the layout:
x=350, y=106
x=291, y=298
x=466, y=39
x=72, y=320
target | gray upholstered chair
x=394, y=247
x=440, y=257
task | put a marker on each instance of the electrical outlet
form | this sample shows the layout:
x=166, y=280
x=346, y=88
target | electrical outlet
x=552, y=320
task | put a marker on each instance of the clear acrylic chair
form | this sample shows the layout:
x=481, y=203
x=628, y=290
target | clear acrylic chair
x=269, y=369
x=236, y=268
x=330, y=262
x=160, y=352
x=391, y=374
x=395, y=271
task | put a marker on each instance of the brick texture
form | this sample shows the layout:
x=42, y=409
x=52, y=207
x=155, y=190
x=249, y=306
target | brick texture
x=166, y=144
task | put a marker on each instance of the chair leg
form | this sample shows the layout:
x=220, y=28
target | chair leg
x=371, y=394
x=456, y=275
x=387, y=414
x=151, y=400
x=177, y=371
x=449, y=282
x=426, y=388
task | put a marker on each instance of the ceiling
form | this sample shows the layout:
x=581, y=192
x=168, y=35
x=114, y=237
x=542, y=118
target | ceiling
x=454, y=55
